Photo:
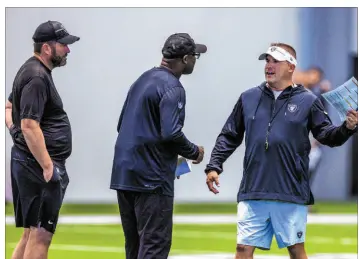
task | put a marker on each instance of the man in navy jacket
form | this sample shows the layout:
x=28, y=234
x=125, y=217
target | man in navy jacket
x=277, y=117
x=150, y=138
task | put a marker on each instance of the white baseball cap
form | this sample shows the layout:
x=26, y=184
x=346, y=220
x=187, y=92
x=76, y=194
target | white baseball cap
x=279, y=54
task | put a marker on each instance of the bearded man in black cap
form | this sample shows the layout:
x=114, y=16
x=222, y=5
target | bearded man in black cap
x=150, y=138
x=41, y=132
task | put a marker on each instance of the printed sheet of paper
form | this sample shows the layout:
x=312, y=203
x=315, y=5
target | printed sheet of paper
x=344, y=97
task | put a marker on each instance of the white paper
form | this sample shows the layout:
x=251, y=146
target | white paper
x=344, y=98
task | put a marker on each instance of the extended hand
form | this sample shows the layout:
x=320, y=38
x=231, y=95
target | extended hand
x=212, y=176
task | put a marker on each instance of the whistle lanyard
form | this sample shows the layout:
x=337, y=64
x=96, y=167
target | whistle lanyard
x=273, y=115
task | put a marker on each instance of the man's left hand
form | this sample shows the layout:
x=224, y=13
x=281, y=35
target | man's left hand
x=352, y=119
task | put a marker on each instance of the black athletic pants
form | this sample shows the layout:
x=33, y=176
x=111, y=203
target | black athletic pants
x=147, y=224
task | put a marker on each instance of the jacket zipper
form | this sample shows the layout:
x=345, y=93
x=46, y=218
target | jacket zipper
x=266, y=144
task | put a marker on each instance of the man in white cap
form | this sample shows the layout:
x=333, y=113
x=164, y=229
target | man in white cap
x=277, y=117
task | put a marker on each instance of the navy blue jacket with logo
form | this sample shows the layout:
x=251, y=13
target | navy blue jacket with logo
x=150, y=136
x=276, y=162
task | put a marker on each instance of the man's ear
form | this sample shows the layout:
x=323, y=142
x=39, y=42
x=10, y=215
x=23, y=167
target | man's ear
x=185, y=59
x=291, y=68
x=46, y=48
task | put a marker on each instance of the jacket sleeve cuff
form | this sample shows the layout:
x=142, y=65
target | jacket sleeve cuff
x=347, y=131
x=196, y=152
x=213, y=168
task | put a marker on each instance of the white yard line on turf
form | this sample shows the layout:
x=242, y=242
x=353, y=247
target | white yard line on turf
x=340, y=219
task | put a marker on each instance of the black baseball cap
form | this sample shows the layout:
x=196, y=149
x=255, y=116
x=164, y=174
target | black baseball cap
x=180, y=44
x=53, y=31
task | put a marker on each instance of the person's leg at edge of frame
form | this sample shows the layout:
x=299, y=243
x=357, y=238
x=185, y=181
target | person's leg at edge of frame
x=297, y=251
x=20, y=247
x=244, y=252
x=38, y=244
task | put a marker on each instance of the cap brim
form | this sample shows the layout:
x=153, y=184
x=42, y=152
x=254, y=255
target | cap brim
x=263, y=56
x=69, y=39
x=201, y=48
x=275, y=55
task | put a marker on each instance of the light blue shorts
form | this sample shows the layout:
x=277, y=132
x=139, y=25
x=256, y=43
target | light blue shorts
x=258, y=221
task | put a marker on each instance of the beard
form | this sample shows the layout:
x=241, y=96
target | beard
x=58, y=61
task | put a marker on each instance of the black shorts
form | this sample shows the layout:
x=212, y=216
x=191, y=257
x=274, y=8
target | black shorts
x=147, y=224
x=36, y=202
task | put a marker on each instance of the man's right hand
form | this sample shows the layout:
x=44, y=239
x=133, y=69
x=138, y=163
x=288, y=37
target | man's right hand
x=48, y=172
x=200, y=155
x=212, y=176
